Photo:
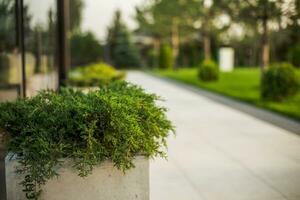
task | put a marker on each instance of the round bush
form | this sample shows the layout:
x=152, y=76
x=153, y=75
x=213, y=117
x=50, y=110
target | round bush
x=94, y=75
x=208, y=71
x=279, y=82
x=165, y=57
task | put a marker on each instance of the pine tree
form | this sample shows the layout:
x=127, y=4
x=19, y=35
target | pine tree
x=123, y=52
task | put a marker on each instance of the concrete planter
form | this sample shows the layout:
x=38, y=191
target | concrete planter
x=105, y=183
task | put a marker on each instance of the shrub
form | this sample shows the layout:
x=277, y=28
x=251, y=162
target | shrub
x=94, y=75
x=165, y=57
x=116, y=122
x=208, y=71
x=279, y=82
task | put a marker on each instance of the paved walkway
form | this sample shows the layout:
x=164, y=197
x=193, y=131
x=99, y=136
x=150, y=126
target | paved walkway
x=220, y=153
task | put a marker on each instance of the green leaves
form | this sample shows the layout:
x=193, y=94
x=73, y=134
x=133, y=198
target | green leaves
x=116, y=122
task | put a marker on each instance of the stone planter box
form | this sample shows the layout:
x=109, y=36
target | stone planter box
x=105, y=183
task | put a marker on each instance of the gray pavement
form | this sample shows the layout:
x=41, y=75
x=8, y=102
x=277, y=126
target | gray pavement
x=220, y=153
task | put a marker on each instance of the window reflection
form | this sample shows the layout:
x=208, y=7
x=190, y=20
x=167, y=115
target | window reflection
x=10, y=64
x=40, y=48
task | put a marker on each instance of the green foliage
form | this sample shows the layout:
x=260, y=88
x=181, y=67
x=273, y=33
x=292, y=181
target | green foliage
x=165, y=57
x=123, y=52
x=94, y=75
x=279, y=82
x=294, y=55
x=85, y=49
x=117, y=122
x=208, y=71
x=157, y=18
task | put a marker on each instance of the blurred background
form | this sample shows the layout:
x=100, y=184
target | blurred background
x=169, y=38
x=193, y=29
x=247, y=50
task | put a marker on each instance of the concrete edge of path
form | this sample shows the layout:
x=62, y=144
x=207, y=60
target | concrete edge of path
x=276, y=119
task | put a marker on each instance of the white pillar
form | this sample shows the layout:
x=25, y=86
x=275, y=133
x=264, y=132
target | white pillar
x=226, y=59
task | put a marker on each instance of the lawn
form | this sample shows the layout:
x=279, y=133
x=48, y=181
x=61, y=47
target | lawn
x=241, y=84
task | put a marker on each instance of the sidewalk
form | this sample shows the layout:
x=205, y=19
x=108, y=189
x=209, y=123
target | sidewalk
x=220, y=153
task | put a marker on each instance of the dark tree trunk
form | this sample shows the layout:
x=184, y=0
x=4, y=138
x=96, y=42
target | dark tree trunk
x=175, y=42
x=207, y=46
x=156, y=47
x=265, y=56
x=206, y=39
x=38, y=52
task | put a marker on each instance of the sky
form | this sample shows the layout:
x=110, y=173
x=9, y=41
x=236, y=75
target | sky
x=37, y=10
x=98, y=14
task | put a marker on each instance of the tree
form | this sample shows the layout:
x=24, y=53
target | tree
x=294, y=30
x=203, y=15
x=51, y=40
x=163, y=21
x=76, y=7
x=148, y=29
x=37, y=48
x=85, y=49
x=123, y=52
x=167, y=16
x=260, y=13
x=6, y=25
x=179, y=21
x=6, y=38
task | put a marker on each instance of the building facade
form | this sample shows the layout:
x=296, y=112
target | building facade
x=31, y=46
x=33, y=52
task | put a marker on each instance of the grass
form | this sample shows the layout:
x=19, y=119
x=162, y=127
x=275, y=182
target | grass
x=242, y=84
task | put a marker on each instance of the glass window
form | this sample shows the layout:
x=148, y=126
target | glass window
x=40, y=45
x=10, y=59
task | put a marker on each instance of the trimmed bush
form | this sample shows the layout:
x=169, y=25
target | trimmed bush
x=279, y=82
x=166, y=57
x=208, y=71
x=94, y=75
x=117, y=122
